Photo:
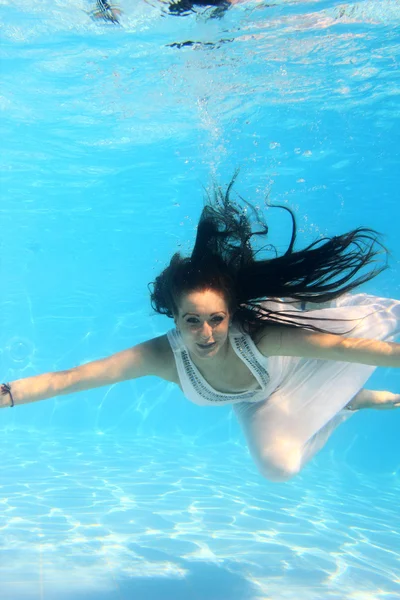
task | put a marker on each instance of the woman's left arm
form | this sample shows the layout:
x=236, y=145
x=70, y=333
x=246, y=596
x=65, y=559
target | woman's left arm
x=293, y=341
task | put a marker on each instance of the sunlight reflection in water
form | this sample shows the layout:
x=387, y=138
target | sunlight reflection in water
x=85, y=516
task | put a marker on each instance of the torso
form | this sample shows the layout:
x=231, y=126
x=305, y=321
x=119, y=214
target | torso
x=234, y=377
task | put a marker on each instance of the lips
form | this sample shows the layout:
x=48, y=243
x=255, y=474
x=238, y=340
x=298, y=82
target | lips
x=206, y=346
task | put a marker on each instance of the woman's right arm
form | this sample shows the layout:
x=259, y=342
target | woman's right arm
x=149, y=358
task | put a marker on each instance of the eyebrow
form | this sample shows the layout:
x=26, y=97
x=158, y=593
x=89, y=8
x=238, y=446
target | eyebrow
x=219, y=312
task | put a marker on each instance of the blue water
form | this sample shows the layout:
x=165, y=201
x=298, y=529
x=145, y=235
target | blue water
x=109, y=136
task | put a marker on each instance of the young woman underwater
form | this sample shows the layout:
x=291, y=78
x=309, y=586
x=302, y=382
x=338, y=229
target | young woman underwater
x=281, y=339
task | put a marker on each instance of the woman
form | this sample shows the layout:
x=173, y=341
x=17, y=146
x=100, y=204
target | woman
x=281, y=339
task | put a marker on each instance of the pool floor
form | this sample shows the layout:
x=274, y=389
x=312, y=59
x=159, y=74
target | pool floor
x=99, y=518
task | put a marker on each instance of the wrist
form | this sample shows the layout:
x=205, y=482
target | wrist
x=6, y=395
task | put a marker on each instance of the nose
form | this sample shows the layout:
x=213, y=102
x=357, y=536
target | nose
x=206, y=332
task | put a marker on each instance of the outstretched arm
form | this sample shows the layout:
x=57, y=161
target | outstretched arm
x=292, y=341
x=148, y=358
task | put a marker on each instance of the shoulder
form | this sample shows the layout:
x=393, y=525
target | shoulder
x=158, y=358
x=160, y=349
x=271, y=339
x=287, y=340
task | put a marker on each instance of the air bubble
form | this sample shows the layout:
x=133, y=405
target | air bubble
x=20, y=349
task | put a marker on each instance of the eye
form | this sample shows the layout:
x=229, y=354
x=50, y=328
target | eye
x=218, y=319
x=192, y=320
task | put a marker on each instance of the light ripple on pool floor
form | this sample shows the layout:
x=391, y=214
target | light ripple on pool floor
x=98, y=518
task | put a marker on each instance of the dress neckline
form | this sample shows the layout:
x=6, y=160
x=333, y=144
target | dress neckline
x=234, y=336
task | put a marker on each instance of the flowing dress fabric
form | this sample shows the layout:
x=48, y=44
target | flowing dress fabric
x=299, y=401
x=308, y=402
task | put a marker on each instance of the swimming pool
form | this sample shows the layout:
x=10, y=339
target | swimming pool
x=109, y=134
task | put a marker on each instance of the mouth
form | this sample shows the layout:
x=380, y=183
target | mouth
x=207, y=346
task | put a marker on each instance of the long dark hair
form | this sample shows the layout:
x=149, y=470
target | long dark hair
x=224, y=260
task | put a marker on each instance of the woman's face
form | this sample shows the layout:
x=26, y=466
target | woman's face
x=203, y=320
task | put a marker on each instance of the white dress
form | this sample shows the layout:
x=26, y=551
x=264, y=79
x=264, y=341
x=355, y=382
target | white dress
x=299, y=401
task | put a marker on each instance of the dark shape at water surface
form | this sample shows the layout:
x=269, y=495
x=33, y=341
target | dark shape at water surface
x=184, y=7
x=190, y=43
x=106, y=12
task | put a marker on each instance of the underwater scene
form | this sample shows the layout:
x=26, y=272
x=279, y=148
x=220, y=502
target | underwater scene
x=119, y=121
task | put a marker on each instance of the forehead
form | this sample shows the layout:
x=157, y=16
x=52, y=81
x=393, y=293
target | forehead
x=202, y=302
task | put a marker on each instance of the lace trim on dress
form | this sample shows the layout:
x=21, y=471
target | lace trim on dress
x=247, y=353
x=206, y=392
